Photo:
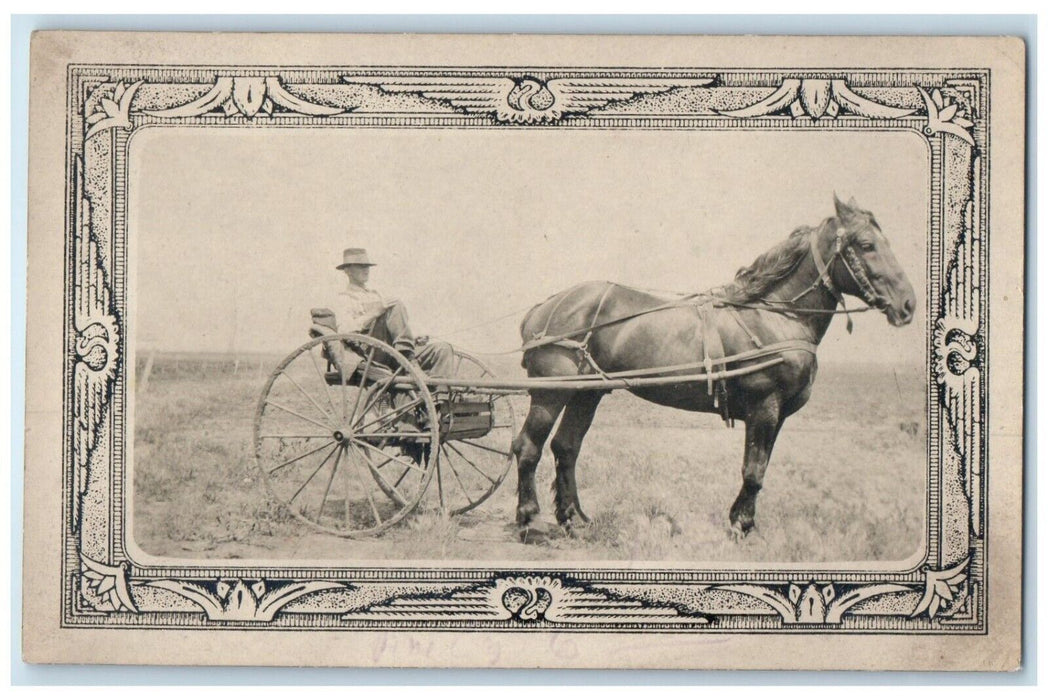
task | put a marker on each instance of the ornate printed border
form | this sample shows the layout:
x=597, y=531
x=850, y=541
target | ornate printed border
x=105, y=587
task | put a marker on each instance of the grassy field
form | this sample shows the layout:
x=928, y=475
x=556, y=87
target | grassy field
x=846, y=480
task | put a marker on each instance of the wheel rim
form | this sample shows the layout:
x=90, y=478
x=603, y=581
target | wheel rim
x=331, y=454
x=470, y=470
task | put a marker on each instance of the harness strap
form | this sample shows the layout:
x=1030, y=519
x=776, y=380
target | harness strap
x=600, y=304
x=824, y=273
x=582, y=348
x=553, y=312
x=542, y=339
x=768, y=350
x=738, y=319
x=710, y=336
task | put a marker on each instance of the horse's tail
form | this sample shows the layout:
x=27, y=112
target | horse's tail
x=523, y=332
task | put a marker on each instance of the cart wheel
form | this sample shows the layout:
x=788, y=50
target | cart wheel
x=330, y=442
x=470, y=469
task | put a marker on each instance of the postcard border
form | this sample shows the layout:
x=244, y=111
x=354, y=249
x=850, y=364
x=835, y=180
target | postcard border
x=104, y=587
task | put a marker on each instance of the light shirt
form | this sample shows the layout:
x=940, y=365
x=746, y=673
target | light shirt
x=352, y=313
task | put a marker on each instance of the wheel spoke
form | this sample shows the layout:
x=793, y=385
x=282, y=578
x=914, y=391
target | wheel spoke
x=470, y=462
x=295, y=413
x=381, y=390
x=440, y=486
x=392, y=415
x=367, y=491
x=400, y=434
x=342, y=384
x=401, y=477
x=378, y=477
x=301, y=456
x=323, y=379
x=331, y=480
x=484, y=447
x=320, y=408
x=392, y=457
x=315, y=472
x=459, y=479
x=360, y=393
x=386, y=461
x=348, y=511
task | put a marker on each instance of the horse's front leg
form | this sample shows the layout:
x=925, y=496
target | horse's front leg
x=762, y=427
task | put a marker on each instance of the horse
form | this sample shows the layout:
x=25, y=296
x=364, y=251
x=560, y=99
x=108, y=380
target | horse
x=785, y=299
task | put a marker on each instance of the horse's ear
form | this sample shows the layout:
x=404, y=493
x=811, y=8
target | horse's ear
x=844, y=211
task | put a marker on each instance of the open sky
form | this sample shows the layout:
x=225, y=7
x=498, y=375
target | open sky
x=235, y=233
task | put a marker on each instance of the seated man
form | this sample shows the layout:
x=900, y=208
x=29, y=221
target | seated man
x=362, y=310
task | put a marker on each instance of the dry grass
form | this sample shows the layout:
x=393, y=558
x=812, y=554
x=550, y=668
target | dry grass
x=846, y=481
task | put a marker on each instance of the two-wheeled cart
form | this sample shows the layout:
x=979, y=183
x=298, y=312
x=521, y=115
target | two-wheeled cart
x=350, y=435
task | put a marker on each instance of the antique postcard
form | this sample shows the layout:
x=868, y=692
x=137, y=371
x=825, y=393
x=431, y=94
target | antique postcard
x=525, y=351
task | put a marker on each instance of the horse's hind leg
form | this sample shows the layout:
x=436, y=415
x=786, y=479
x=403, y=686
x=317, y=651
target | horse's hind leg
x=578, y=416
x=527, y=448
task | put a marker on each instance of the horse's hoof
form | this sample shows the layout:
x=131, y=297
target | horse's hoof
x=737, y=533
x=569, y=528
x=525, y=514
x=533, y=535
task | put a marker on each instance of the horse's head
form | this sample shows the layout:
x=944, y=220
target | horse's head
x=867, y=267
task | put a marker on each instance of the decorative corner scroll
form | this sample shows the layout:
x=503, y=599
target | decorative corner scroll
x=96, y=345
x=947, y=115
x=817, y=98
x=113, y=110
x=239, y=601
x=526, y=99
x=944, y=590
x=247, y=96
x=108, y=584
x=528, y=600
x=812, y=603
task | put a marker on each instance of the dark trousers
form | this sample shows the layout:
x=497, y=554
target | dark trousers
x=437, y=358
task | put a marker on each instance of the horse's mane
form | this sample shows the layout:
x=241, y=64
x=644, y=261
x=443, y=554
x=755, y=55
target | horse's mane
x=770, y=267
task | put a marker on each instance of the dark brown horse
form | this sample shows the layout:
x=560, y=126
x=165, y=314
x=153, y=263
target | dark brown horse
x=789, y=293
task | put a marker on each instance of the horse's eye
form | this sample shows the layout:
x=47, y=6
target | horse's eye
x=866, y=246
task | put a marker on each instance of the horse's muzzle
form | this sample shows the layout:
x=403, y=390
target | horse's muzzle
x=901, y=314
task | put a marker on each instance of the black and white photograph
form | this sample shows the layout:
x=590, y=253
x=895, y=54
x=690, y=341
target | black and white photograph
x=408, y=347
